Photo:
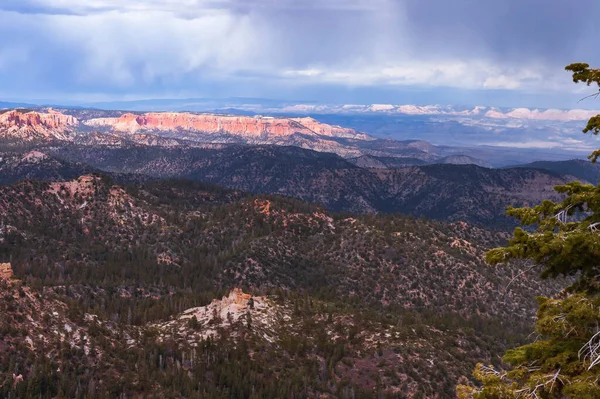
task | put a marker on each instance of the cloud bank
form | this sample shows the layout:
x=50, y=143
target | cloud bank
x=287, y=48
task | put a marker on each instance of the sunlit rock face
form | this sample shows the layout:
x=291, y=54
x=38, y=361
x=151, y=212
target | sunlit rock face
x=235, y=125
x=6, y=271
x=28, y=126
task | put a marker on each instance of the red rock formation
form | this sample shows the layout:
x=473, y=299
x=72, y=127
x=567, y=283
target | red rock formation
x=162, y=129
x=6, y=271
x=35, y=125
x=239, y=297
x=51, y=120
x=214, y=124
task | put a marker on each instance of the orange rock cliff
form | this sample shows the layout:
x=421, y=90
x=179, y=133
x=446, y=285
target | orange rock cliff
x=6, y=271
x=239, y=296
x=31, y=125
x=238, y=125
x=50, y=120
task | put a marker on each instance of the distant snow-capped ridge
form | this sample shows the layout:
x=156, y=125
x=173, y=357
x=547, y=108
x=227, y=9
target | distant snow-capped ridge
x=407, y=109
x=448, y=110
x=476, y=112
x=548, y=114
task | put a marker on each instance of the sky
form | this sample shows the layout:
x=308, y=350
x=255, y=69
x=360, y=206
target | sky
x=508, y=53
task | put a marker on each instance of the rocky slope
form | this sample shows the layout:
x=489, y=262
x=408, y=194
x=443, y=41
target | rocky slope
x=377, y=305
x=44, y=342
x=284, y=242
x=388, y=360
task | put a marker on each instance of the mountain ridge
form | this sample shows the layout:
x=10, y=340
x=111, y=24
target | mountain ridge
x=441, y=191
x=581, y=169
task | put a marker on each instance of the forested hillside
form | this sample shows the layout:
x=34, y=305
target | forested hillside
x=117, y=262
x=443, y=191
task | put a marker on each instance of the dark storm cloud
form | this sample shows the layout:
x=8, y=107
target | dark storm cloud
x=516, y=30
x=277, y=47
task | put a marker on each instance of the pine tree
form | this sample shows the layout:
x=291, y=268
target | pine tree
x=563, y=239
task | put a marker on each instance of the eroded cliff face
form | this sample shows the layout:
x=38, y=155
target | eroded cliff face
x=28, y=126
x=250, y=127
x=330, y=130
x=174, y=129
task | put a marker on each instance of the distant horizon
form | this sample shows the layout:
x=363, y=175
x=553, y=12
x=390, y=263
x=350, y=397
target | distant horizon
x=551, y=130
x=583, y=105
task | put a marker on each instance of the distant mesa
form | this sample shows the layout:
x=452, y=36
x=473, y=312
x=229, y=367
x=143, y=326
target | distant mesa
x=28, y=125
x=215, y=124
x=177, y=129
